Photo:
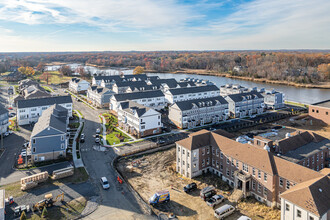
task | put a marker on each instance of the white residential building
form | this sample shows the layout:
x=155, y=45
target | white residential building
x=188, y=93
x=273, y=99
x=192, y=113
x=4, y=119
x=245, y=104
x=154, y=99
x=99, y=96
x=29, y=110
x=139, y=120
x=308, y=200
x=77, y=85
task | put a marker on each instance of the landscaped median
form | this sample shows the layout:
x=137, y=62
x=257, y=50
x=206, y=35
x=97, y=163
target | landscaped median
x=113, y=135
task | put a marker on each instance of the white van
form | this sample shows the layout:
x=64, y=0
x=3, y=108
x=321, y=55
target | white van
x=224, y=211
x=244, y=218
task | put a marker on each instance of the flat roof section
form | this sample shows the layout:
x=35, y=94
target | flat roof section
x=325, y=104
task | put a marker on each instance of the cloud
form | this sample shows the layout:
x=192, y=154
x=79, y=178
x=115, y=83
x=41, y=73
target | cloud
x=112, y=14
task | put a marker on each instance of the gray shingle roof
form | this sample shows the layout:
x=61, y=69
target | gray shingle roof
x=180, y=91
x=3, y=110
x=51, y=117
x=116, y=78
x=138, y=95
x=247, y=95
x=172, y=83
x=132, y=107
x=43, y=101
x=131, y=84
x=187, y=105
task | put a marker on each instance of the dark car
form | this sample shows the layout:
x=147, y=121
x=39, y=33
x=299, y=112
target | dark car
x=82, y=138
x=190, y=187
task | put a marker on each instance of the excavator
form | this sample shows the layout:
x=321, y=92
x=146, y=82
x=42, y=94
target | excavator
x=49, y=201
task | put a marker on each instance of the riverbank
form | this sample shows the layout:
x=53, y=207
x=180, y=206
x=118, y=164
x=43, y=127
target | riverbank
x=325, y=85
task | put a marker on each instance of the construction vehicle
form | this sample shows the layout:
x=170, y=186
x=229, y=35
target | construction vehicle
x=159, y=197
x=48, y=201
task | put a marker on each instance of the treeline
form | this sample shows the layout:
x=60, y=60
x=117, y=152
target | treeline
x=300, y=67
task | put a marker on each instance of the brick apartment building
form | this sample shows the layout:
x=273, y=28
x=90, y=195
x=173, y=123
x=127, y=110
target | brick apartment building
x=255, y=171
x=321, y=111
x=302, y=147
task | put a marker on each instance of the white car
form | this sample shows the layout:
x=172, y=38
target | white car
x=104, y=182
x=215, y=200
x=224, y=211
x=6, y=134
x=98, y=131
x=243, y=217
x=97, y=140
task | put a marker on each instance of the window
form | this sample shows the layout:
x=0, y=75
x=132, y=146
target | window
x=213, y=163
x=232, y=174
x=33, y=109
x=183, y=151
x=221, y=155
x=288, y=184
x=62, y=146
x=265, y=177
x=259, y=174
x=298, y=213
x=208, y=150
x=183, y=162
x=259, y=187
x=245, y=167
x=287, y=207
x=281, y=182
x=194, y=165
x=217, y=163
x=307, y=162
x=208, y=162
x=203, y=163
x=317, y=157
x=195, y=154
x=313, y=110
x=62, y=138
x=317, y=111
x=213, y=151
x=253, y=171
x=227, y=161
x=237, y=164
x=188, y=154
x=253, y=185
x=217, y=152
x=322, y=155
x=34, y=150
x=227, y=171
x=178, y=149
x=312, y=159
x=143, y=127
x=34, y=141
x=203, y=151
x=265, y=191
x=232, y=162
x=311, y=218
x=178, y=160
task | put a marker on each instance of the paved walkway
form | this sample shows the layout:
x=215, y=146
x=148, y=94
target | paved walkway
x=104, y=139
x=77, y=162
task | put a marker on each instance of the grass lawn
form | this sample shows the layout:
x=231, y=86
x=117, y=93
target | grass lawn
x=112, y=139
x=257, y=210
x=79, y=113
x=80, y=175
x=70, y=210
x=50, y=90
x=55, y=78
x=13, y=189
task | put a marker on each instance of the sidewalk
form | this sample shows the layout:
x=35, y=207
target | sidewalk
x=77, y=162
x=104, y=139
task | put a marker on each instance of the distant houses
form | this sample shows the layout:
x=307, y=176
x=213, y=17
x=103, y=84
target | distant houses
x=77, y=85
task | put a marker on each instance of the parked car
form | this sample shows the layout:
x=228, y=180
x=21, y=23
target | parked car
x=190, y=187
x=82, y=138
x=98, y=131
x=6, y=134
x=224, y=211
x=215, y=200
x=104, y=182
x=207, y=192
x=161, y=142
x=97, y=140
x=12, y=114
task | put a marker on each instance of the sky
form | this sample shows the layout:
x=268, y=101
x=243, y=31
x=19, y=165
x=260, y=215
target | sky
x=150, y=25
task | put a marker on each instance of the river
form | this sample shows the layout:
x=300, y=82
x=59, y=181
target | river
x=297, y=94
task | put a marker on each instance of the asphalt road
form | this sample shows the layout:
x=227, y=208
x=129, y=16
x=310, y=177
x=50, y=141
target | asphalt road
x=117, y=202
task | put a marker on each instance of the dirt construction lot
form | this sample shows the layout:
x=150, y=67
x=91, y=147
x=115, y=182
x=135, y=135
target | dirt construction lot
x=156, y=172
